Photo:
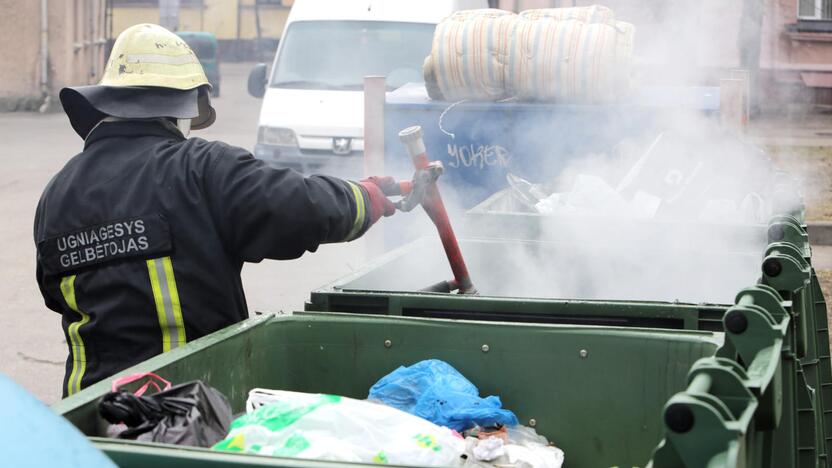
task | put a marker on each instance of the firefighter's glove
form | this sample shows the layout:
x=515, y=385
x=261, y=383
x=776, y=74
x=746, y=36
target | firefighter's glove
x=378, y=189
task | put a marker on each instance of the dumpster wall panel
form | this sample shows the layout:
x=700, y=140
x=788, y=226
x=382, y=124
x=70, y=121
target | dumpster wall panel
x=539, y=372
x=479, y=142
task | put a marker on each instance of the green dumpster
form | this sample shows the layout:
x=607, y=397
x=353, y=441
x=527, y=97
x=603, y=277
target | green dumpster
x=559, y=378
x=627, y=383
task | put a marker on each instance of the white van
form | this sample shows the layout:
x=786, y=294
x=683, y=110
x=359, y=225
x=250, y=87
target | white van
x=312, y=116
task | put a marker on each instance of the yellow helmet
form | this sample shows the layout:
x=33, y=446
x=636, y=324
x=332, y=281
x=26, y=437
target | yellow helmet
x=151, y=73
x=150, y=55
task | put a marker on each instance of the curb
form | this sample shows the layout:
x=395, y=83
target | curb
x=820, y=232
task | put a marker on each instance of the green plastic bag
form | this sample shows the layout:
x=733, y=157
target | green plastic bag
x=330, y=427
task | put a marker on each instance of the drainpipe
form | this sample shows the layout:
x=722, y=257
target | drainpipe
x=44, y=54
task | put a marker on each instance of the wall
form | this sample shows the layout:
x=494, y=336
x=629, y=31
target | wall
x=272, y=21
x=795, y=66
x=227, y=19
x=19, y=46
x=232, y=21
x=124, y=17
x=75, y=49
x=788, y=50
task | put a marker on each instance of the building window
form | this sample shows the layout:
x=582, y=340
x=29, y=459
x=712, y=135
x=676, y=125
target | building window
x=814, y=9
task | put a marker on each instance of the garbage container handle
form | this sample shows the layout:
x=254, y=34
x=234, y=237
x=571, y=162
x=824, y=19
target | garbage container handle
x=121, y=381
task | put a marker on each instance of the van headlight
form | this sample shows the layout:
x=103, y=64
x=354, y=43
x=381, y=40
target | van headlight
x=277, y=136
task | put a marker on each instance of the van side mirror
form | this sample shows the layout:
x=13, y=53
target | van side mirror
x=257, y=80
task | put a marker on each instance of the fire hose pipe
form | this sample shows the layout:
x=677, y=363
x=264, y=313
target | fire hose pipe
x=431, y=202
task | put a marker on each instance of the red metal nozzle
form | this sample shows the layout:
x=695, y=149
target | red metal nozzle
x=435, y=208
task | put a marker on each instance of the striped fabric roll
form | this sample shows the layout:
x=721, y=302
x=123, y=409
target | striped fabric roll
x=469, y=55
x=558, y=57
x=578, y=55
x=588, y=14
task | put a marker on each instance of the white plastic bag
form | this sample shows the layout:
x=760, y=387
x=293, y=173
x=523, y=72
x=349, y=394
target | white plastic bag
x=525, y=448
x=489, y=449
x=537, y=456
x=329, y=427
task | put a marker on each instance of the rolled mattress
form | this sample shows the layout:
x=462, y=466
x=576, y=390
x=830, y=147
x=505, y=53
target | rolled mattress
x=570, y=55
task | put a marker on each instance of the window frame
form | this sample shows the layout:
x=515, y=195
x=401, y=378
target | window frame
x=821, y=6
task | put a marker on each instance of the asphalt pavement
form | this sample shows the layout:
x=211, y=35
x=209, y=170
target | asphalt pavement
x=34, y=147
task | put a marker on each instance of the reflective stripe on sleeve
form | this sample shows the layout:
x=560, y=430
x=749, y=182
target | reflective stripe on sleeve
x=358, y=223
x=166, y=297
x=79, y=353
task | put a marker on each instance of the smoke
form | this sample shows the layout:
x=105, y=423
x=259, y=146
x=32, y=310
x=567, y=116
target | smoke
x=677, y=214
x=656, y=203
x=687, y=224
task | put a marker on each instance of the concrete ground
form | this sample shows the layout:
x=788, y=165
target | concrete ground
x=822, y=257
x=810, y=129
x=35, y=146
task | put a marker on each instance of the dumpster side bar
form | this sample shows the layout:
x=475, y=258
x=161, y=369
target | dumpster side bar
x=766, y=399
x=730, y=403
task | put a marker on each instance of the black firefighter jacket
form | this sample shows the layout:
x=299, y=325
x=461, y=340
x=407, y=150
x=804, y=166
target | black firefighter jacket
x=141, y=239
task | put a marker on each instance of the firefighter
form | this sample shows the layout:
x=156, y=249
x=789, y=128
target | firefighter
x=142, y=236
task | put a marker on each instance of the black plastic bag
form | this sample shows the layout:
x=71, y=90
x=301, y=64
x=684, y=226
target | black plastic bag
x=188, y=414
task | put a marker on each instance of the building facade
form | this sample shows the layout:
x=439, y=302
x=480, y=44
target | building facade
x=245, y=29
x=796, y=50
x=786, y=44
x=46, y=45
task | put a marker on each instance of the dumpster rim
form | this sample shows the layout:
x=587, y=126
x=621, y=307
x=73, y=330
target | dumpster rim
x=93, y=392
x=206, y=454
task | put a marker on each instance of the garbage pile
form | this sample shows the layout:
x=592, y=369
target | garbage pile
x=672, y=179
x=427, y=414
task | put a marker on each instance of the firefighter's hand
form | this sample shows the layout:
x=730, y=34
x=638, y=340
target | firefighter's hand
x=387, y=184
x=378, y=189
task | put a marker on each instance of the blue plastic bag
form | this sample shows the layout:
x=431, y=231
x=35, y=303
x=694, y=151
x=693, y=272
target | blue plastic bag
x=434, y=390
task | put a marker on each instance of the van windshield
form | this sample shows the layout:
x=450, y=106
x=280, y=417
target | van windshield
x=339, y=54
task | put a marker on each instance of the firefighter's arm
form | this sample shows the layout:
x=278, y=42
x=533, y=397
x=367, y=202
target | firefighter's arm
x=50, y=302
x=267, y=212
x=40, y=276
